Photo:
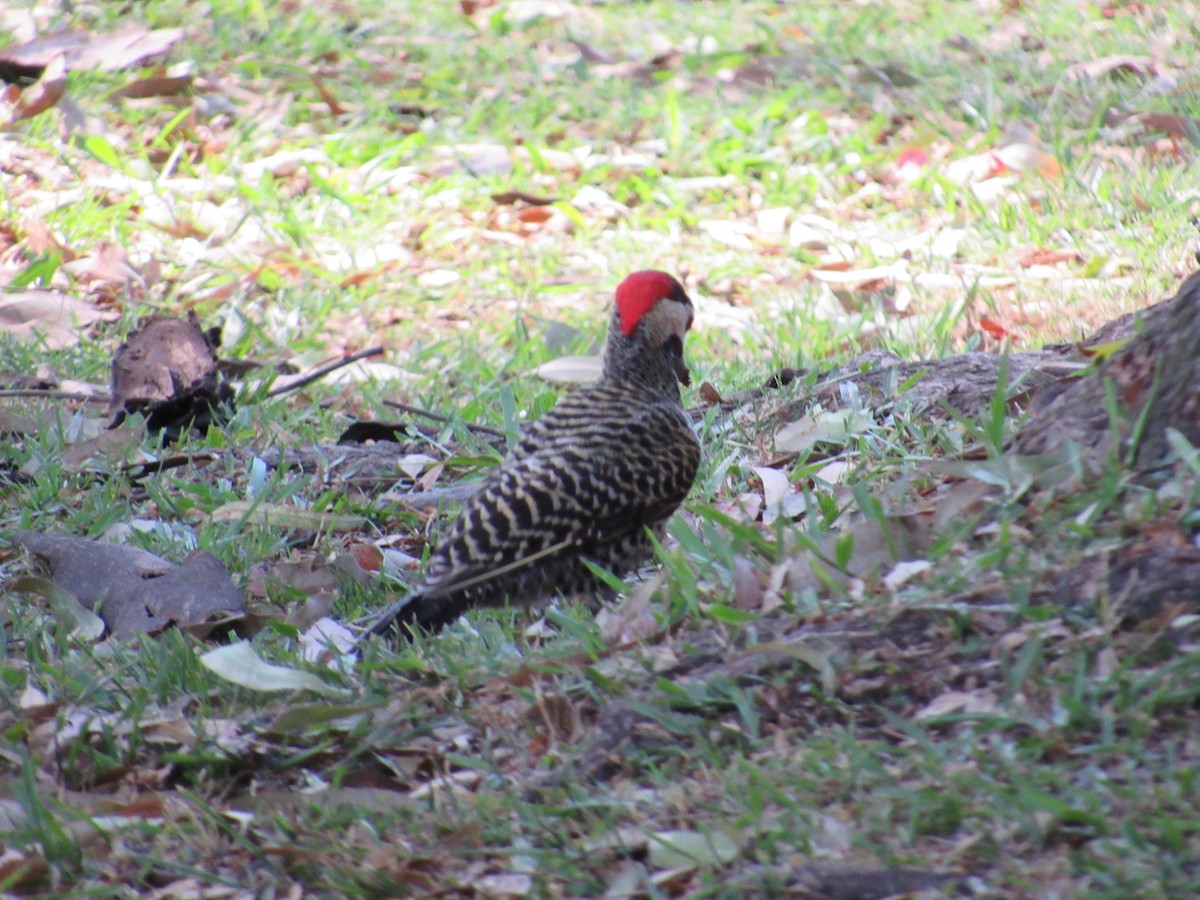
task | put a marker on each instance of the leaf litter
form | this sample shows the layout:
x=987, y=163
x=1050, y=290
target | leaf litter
x=863, y=631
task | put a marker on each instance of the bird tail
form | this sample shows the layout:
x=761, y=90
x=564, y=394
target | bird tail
x=435, y=606
x=418, y=612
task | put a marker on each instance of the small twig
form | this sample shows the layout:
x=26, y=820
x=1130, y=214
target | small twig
x=435, y=497
x=323, y=371
x=445, y=420
x=51, y=394
x=151, y=467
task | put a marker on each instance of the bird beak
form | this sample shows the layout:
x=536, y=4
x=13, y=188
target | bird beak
x=681, y=372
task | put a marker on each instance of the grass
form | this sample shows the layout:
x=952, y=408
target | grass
x=966, y=721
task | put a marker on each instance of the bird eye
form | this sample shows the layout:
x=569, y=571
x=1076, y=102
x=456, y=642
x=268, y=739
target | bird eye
x=673, y=346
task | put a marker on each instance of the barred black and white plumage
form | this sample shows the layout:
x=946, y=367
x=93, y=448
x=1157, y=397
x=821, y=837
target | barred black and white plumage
x=584, y=482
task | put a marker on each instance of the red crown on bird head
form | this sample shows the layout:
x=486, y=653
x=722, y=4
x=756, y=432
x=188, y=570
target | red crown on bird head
x=638, y=293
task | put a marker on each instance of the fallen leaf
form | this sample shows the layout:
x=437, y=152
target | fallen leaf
x=171, y=83
x=52, y=316
x=686, y=849
x=239, y=664
x=329, y=641
x=993, y=328
x=107, y=262
x=633, y=619
x=1048, y=258
x=709, y=394
x=134, y=590
x=507, y=198
x=503, y=884
x=904, y=572
x=335, y=107
x=970, y=702
x=284, y=164
x=824, y=426
x=368, y=556
x=301, y=717
x=438, y=278
x=88, y=50
x=1022, y=157
x=281, y=515
x=748, y=591
x=775, y=484
x=1098, y=68
x=817, y=660
x=776, y=489
x=560, y=716
x=22, y=869
x=571, y=370
x=44, y=94
x=534, y=216
x=1102, y=352
x=167, y=369
x=302, y=573
x=118, y=445
x=731, y=233
x=82, y=621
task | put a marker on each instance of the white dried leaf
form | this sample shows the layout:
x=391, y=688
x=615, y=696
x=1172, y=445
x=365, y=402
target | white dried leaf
x=971, y=702
x=730, y=233
x=413, y=464
x=830, y=427
x=686, y=849
x=571, y=370
x=32, y=696
x=239, y=664
x=328, y=640
x=438, y=278
x=905, y=571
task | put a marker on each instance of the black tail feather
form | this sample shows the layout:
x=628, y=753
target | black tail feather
x=418, y=612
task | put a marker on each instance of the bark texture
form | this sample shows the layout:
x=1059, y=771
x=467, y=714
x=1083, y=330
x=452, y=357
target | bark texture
x=1155, y=379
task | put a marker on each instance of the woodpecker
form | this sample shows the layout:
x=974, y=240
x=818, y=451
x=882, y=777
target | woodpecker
x=589, y=481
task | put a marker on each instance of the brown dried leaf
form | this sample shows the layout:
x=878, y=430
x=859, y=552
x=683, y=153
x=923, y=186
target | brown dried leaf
x=633, y=619
x=82, y=50
x=710, y=395
x=1048, y=258
x=1023, y=157
x=559, y=715
x=40, y=240
x=115, y=443
x=43, y=95
x=331, y=101
x=22, y=870
x=108, y=262
x=303, y=572
x=1098, y=68
x=135, y=590
x=980, y=702
x=161, y=85
x=748, y=590
x=167, y=368
x=534, y=215
x=57, y=318
x=507, y=198
x=368, y=556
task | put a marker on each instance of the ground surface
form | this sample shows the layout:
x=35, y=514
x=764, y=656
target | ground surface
x=867, y=667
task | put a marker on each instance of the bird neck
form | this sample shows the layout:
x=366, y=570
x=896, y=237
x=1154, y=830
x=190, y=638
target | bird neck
x=636, y=360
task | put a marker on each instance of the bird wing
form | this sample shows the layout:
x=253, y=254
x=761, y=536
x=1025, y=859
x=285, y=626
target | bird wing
x=583, y=480
x=656, y=464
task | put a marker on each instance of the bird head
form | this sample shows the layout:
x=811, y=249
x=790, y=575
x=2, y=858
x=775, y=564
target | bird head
x=652, y=317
